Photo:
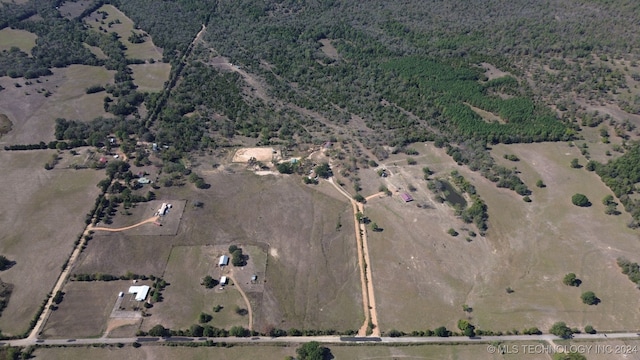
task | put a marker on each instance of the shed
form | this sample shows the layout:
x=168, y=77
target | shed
x=224, y=260
x=223, y=280
x=406, y=197
x=144, y=180
x=254, y=278
x=140, y=291
x=121, y=294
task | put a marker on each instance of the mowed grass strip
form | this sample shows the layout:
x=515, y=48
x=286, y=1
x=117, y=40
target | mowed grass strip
x=42, y=217
x=22, y=39
x=144, y=51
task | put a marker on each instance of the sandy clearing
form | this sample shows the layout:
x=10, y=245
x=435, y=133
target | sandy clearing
x=260, y=154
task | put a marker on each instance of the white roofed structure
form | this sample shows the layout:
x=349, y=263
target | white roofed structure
x=224, y=260
x=140, y=291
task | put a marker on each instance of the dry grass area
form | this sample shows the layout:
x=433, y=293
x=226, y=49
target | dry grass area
x=167, y=353
x=33, y=114
x=423, y=352
x=85, y=310
x=20, y=38
x=143, y=211
x=311, y=277
x=96, y=51
x=144, y=51
x=150, y=77
x=185, y=298
x=36, y=203
x=529, y=247
x=73, y=9
x=329, y=50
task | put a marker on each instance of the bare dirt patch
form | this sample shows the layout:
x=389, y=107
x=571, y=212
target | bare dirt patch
x=22, y=39
x=37, y=202
x=492, y=72
x=150, y=77
x=33, y=113
x=328, y=49
x=264, y=155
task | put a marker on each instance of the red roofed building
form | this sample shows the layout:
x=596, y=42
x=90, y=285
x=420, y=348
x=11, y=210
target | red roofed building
x=406, y=197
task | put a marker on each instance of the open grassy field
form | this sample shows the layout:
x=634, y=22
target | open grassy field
x=150, y=77
x=311, y=277
x=85, y=310
x=185, y=298
x=37, y=202
x=96, y=51
x=20, y=38
x=520, y=350
x=73, y=9
x=33, y=114
x=529, y=247
x=144, y=51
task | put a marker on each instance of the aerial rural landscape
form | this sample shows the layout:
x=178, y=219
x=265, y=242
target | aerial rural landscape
x=326, y=179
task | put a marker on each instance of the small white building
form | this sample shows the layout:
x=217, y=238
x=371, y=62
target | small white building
x=223, y=280
x=140, y=291
x=224, y=260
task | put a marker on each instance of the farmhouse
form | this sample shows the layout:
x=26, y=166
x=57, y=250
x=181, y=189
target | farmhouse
x=164, y=209
x=140, y=291
x=224, y=260
x=406, y=197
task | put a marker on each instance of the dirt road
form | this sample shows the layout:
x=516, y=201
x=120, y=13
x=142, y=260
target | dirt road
x=368, y=299
x=151, y=219
x=246, y=300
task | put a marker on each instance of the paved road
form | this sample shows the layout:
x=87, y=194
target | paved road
x=321, y=339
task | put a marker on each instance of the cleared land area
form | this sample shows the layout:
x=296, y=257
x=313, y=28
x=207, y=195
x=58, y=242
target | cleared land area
x=185, y=298
x=150, y=77
x=311, y=272
x=85, y=310
x=22, y=39
x=73, y=9
x=37, y=202
x=145, y=50
x=260, y=154
x=529, y=247
x=33, y=113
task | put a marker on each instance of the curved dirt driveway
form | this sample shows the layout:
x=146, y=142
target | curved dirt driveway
x=246, y=300
x=151, y=219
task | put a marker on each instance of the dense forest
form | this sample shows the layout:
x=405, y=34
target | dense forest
x=410, y=70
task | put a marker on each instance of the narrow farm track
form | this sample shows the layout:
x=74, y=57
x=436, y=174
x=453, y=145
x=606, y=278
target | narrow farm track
x=368, y=298
x=149, y=220
x=246, y=300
